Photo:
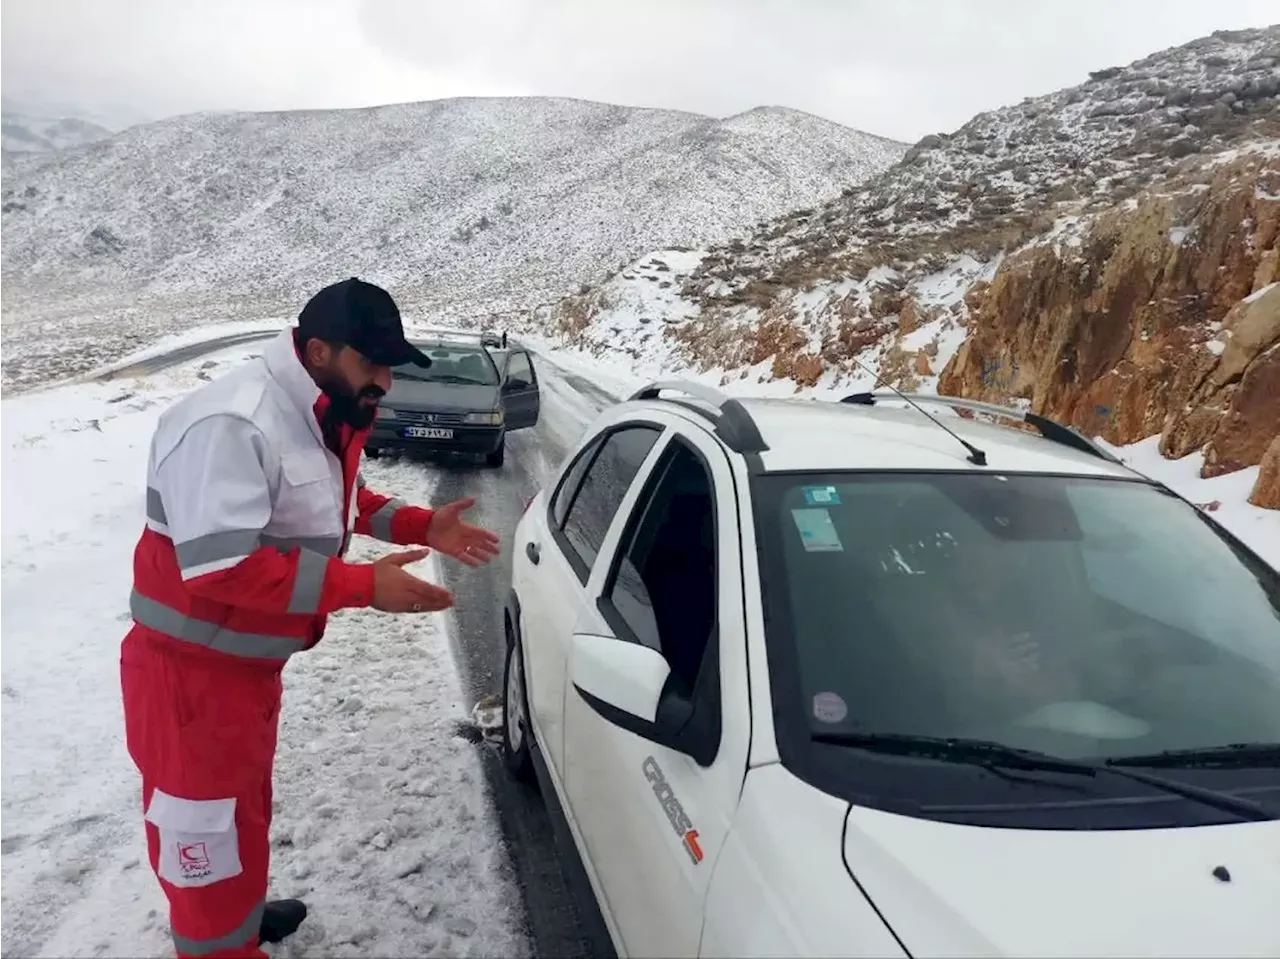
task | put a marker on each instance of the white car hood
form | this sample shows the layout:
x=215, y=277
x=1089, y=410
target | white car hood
x=957, y=890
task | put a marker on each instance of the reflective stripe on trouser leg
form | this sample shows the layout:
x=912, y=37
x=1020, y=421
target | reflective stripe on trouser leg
x=221, y=920
x=244, y=936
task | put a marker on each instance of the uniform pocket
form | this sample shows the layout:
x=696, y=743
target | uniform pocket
x=199, y=843
x=301, y=467
x=308, y=501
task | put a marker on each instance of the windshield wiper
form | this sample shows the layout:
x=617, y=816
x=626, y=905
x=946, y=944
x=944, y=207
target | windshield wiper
x=994, y=755
x=1237, y=755
x=978, y=752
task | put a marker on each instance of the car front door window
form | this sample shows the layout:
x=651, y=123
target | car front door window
x=519, y=371
x=663, y=593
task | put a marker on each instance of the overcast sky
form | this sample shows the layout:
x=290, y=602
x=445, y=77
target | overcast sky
x=900, y=68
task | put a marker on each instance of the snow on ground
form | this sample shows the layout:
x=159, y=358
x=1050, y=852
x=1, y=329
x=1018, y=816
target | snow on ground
x=629, y=315
x=382, y=819
x=1225, y=497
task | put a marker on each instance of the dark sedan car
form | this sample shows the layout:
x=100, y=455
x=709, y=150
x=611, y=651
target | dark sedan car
x=465, y=402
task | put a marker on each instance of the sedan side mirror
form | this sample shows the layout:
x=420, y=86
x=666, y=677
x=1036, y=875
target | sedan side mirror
x=625, y=676
x=632, y=687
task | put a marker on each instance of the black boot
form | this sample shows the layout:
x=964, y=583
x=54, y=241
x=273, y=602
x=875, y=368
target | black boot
x=280, y=918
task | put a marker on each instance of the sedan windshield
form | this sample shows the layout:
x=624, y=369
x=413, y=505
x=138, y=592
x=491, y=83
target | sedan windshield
x=1077, y=618
x=460, y=365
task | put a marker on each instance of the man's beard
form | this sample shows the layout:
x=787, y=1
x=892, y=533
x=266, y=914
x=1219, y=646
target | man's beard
x=345, y=404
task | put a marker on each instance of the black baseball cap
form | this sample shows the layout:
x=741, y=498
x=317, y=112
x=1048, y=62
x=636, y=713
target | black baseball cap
x=362, y=316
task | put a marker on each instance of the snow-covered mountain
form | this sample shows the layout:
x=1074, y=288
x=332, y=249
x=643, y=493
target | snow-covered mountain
x=1106, y=254
x=105, y=113
x=464, y=206
x=23, y=133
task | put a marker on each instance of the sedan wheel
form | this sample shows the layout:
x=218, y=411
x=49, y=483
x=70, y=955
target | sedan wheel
x=515, y=725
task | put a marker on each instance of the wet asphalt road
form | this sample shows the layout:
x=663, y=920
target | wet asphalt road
x=569, y=402
x=184, y=354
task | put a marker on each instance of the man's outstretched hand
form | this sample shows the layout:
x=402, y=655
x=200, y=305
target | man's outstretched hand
x=450, y=534
x=395, y=590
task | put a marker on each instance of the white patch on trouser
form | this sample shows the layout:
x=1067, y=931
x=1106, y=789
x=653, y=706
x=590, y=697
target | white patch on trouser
x=199, y=844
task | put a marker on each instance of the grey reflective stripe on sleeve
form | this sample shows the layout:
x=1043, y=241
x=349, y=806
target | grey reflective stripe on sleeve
x=308, y=582
x=212, y=547
x=155, y=506
x=380, y=521
x=242, y=935
x=324, y=545
x=165, y=619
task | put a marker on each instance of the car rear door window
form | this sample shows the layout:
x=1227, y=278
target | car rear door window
x=607, y=478
x=568, y=487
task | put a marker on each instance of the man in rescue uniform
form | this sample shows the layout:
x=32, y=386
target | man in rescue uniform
x=253, y=493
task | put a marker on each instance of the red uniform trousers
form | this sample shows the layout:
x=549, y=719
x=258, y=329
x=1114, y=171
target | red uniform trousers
x=201, y=727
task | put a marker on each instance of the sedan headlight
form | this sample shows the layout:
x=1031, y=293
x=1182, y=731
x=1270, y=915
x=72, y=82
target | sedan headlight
x=492, y=418
x=386, y=413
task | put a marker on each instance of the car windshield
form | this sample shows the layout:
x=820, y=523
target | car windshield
x=1080, y=618
x=460, y=365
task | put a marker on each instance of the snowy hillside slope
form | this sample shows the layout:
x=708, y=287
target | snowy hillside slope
x=1001, y=177
x=1086, y=253
x=25, y=134
x=464, y=207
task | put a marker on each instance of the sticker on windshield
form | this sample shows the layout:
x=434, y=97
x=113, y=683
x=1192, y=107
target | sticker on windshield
x=829, y=708
x=817, y=532
x=821, y=496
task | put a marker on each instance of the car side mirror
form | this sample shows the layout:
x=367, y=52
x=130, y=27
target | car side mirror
x=625, y=677
x=632, y=687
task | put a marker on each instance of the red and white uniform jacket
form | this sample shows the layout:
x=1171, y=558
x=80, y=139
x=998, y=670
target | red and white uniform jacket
x=249, y=515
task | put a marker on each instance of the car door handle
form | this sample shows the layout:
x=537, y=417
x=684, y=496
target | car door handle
x=534, y=552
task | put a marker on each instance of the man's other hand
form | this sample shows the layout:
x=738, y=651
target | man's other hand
x=452, y=535
x=397, y=591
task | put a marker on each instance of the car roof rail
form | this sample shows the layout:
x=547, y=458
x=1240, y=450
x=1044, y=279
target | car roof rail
x=1049, y=429
x=734, y=424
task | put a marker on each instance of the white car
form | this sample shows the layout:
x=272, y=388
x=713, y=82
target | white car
x=849, y=679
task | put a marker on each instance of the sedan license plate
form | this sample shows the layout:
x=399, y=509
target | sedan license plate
x=427, y=433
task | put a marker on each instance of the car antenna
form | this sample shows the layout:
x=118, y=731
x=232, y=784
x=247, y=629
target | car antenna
x=976, y=456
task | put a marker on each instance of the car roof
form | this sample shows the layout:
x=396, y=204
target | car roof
x=448, y=342
x=816, y=435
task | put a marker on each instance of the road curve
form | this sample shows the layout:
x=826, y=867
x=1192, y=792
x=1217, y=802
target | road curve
x=183, y=354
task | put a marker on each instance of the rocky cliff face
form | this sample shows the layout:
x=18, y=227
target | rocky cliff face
x=1159, y=316
x=1106, y=255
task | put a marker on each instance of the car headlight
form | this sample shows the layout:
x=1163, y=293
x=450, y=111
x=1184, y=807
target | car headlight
x=386, y=413
x=492, y=418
